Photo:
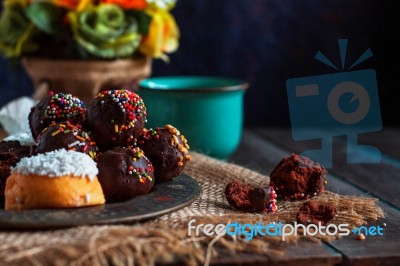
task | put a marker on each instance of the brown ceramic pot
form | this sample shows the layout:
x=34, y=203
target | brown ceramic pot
x=85, y=79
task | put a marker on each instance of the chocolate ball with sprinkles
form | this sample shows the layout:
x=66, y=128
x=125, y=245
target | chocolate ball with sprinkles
x=116, y=118
x=124, y=173
x=167, y=150
x=67, y=136
x=297, y=178
x=56, y=107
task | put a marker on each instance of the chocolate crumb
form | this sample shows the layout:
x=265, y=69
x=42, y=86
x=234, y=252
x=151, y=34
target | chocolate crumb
x=313, y=213
x=298, y=177
x=237, y=195
x=244, y=197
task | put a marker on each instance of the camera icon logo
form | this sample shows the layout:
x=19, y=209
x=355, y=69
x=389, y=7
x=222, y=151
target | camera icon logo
x=338, y=104
x=358, y=92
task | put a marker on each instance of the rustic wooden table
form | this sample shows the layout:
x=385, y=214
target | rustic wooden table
x=262, y=148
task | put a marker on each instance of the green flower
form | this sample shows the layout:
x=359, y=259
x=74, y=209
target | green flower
x=15, y=30
x=105, y=31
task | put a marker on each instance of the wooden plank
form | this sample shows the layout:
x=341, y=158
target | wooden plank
x=225, y=258
x=387, y=140
x=258, y=153
x=378, y=179
x=304, y=253
x=374, y=250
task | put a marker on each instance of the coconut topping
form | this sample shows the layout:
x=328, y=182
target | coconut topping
x=58, y=163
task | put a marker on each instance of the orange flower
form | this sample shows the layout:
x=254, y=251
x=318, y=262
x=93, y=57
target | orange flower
x=73, y=4
x=128, y=4
x=69, y=4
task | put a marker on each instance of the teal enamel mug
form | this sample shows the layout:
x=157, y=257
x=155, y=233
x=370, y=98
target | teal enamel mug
x=207, y=110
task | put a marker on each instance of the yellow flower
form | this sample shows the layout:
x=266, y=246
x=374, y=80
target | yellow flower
x=163, y=36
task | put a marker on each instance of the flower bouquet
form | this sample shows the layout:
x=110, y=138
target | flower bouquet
x=70, y=29
x=106, y=42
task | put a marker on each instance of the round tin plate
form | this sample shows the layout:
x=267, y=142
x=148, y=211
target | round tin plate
x=164, y=198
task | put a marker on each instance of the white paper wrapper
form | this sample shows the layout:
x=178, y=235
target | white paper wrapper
x=14, y=115
x=25, y=138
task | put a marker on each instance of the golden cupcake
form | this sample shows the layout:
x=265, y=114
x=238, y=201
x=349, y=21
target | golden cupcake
x=57, y=179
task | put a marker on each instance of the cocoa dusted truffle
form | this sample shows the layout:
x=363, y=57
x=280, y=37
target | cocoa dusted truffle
x=65, y=136
x=10, y=154
x=246, y=198
x=59, y=107
x=116, y=118
x=167, y=150
x=124, y=173
x=314, y=213
x=298, y=177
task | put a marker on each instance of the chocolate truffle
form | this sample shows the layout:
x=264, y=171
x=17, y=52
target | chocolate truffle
x=167, y=150
x=314, y=213
x=59, y=107
x=65, y=136
x=246, y=198
x=116, y=118
x=10, y=154
x=124, y=173
x=298, y=177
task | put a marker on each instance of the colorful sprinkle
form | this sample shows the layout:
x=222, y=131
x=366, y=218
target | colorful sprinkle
x=55, y=133
x=63, y=105
x=80, y=138
x=140, y=172
x=73, y=144
x=83, y=141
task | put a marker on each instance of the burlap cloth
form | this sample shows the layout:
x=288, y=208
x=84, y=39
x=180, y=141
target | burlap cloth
x=165, y=239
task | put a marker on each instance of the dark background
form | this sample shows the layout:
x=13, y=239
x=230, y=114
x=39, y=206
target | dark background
x=267, y=42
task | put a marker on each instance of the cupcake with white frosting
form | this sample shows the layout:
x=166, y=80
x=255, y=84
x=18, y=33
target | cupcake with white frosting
x=57, y=179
